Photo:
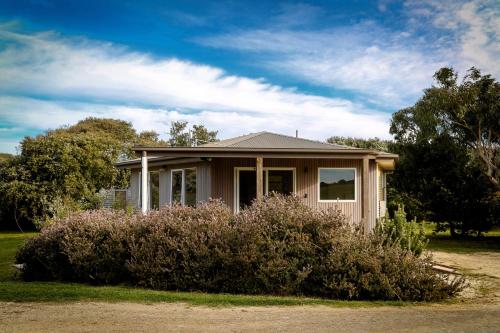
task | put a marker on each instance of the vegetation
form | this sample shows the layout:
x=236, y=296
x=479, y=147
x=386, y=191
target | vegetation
x=63, y=170
x=409, y=235
x=277, y=246
x=182, y=136
x=12, y=290
x=371, y=143
x=441, y=240
x=448, y=144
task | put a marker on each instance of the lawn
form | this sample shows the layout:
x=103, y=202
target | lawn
x=442, y=241
x=19, y=291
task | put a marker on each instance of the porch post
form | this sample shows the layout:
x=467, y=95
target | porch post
x=365, y=199
x=144, y=183
x=260, y=182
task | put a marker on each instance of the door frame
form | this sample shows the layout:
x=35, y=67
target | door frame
x=236, y=194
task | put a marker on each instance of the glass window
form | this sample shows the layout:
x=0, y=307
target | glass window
x=190, y=187
x=337, y=184
x=154, y=187
x=280, y=181
x=184, y=186
x=177, y=186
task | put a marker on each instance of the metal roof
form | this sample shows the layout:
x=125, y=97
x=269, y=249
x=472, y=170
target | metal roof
x=270, y=145
x=267, y=140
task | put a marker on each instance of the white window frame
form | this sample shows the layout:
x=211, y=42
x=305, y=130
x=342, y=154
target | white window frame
x=236, y=196
x=338, y=200
x=183, y=184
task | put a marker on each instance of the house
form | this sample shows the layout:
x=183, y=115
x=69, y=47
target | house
x=244, y=168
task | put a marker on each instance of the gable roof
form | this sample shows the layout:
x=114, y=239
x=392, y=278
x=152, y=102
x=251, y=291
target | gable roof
x=268, y=140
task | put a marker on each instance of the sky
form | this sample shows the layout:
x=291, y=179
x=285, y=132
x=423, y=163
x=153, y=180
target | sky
x=323, y=68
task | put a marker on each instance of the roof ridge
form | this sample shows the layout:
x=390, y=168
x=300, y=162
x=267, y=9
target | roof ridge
x=247, y=137
x=310, y=140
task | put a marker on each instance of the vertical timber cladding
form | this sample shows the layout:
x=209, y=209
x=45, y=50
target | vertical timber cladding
x=306, y=177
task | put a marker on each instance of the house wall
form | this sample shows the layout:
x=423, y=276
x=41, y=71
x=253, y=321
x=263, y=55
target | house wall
x=307, y=181
x=216, y=179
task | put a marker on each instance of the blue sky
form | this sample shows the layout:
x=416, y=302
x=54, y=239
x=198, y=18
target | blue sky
x=325, y=68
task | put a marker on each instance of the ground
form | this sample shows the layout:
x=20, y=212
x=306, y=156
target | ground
x=70, y=308
x=164, y=317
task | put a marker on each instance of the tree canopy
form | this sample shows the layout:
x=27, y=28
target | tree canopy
x=448, y=144
x=183, y=136
x=65, y=166
x=371, y=143
x=468, y=112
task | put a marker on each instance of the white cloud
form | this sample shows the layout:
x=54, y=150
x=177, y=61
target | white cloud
x=389, y=67
x=364, y=58
x=470, y=28
x=78, y=78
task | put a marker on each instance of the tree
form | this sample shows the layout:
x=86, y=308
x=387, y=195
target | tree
x=469, y=112
x=448, y=144
x=182, y=136
x=64, y=167
x=371, y=143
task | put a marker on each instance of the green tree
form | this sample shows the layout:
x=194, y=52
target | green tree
x=469, y=112
x=448, y=144
x=183, y=136
x=64, y=167
x=371, y=143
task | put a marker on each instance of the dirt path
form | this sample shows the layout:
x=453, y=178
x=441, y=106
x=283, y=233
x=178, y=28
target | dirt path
x=487, y=263
x=482, y=269
x=128, y=317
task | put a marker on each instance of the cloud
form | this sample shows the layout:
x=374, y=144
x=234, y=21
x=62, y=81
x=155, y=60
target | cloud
x=49, y=80
x=472, y=27
x=389, y=66
x=380, y=65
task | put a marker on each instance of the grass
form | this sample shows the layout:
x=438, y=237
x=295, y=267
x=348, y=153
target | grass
x=442, y=241
x=12, y=290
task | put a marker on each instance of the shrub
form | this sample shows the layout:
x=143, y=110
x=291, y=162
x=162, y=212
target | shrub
x=276, y=246
x=409, y=234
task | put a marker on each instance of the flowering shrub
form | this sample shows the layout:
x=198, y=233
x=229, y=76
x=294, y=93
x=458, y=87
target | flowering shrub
x=277, y=246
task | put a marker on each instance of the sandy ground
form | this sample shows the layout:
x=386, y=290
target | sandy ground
x=480, y=315
x=129, y=317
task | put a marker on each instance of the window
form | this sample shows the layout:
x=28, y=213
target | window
x=183, y=188
x=337, y=184
x=276, y=179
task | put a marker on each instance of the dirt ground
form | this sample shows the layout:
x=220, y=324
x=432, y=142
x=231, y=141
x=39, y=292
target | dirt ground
x=481, y=314
x=129, y=317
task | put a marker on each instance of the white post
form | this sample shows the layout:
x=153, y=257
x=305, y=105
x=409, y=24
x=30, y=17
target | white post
x=144, y=183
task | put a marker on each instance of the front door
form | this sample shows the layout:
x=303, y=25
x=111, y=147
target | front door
x=275, y=180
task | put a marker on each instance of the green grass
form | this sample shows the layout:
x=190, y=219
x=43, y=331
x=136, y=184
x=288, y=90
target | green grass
x=442, y=241
x=12, y=290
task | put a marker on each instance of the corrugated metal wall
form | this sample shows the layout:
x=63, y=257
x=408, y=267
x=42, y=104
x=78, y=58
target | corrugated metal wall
x=135, y=189
x=306, y=176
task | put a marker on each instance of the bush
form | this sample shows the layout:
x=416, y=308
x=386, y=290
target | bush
x=277, y=246
x=409, y=234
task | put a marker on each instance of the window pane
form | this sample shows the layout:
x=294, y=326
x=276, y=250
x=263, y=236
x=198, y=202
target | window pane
x=336, y=184
x=154, y=185
x=190, y=191
x=176, y=186
x=280, y=181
